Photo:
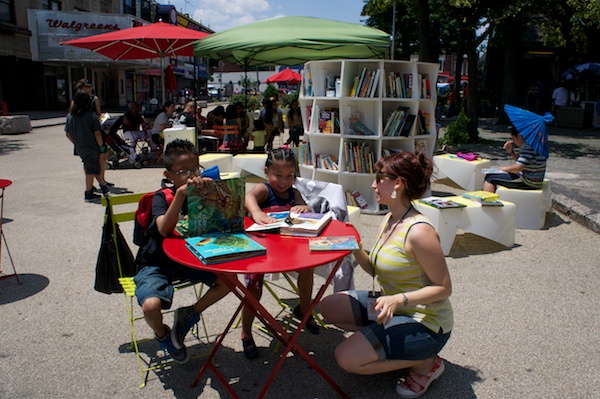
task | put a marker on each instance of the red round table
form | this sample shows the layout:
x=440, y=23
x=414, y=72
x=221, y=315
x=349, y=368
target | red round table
x=284, y=254
x=3, y=184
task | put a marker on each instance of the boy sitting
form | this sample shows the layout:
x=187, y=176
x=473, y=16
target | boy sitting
x=154, y=281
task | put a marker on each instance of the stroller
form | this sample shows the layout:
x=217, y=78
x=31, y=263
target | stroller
x=119, y=151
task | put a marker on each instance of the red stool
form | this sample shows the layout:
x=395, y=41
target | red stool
x=3, y=184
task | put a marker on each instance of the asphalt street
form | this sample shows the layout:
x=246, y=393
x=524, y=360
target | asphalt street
x=526, y=317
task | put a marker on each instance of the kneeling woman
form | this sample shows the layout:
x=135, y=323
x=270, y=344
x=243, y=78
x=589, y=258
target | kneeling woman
x=410, y=322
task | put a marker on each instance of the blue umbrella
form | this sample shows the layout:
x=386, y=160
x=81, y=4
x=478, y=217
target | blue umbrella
x=573, y=72
x=532, y=127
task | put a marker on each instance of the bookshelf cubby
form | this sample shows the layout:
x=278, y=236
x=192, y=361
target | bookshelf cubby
x=363, y=117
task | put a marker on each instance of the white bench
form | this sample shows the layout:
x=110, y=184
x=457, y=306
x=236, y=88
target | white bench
x=223, y=161
x=532, y=205
x=496, y=223
x=467, y=174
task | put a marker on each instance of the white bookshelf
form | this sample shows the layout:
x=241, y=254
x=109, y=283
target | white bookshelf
x=317, y=93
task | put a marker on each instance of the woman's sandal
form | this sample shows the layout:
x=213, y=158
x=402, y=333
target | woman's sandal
x=311, y=325
x=250, y=349
x=416, y=385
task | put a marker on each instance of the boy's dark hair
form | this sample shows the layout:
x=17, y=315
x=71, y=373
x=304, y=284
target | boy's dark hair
x=175, y=149
x=81, y=103
x=259, y=124
x=281, y=154
x=513, y=131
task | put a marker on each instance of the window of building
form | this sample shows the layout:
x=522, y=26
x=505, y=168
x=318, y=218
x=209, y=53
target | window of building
x=129, y=7
x=146, y=10
x=106, y=6
x=7, y=9
x=53, y=5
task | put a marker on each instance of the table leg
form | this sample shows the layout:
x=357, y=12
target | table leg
x=209, y=361
x=290, y=341
x=293, y=345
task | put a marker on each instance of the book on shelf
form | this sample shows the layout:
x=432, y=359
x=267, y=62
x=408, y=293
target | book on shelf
x=354, y=86
x=386, y=152
x=308, y=224
x=425, y=86
x=373, y=84
x=217, y=207
x=223, y=248
x=326, y=121
x=304, y=154
x=361, y=79
x=308, y=116
x=359, y=157
x=408, y=125
x=421, y=146
x=481, y=196
x=359, y=199
x=491, y=203
x=326, y=161
x=332, y=243
x=355, y=124
x=441, y=203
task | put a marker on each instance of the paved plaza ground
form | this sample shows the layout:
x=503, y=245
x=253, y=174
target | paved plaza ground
x=526, y=317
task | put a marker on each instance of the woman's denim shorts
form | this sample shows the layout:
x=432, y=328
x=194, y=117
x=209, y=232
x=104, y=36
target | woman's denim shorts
x=157, y=282
x=403, y=338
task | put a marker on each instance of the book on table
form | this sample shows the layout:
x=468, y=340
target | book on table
x=486, y=171
x=332, y=243
x=441, y=203
x=223, y=248
x=481, y=196
x=307, y=224
x=217, y=207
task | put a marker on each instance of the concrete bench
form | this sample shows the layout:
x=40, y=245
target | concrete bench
x=15, y=124
x=467, y=174
x=496, y=223
x=223, y=161
x=532, y=205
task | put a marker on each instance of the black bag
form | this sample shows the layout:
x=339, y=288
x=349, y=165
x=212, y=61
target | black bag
x=107, y=266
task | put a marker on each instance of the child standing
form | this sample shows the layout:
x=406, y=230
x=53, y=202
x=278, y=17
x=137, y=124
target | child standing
x=277, y=194
x=259, y=135
x=154, y=280
x=83, y=130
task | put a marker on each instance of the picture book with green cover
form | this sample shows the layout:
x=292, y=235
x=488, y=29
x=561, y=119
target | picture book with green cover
x=481, y=196
x=223, y=248
x=217, y=207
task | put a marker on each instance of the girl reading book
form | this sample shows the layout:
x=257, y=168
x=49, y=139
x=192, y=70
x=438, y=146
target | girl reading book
x=277, y=194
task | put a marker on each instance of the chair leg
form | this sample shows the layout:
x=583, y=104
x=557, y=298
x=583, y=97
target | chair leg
x=15, y=274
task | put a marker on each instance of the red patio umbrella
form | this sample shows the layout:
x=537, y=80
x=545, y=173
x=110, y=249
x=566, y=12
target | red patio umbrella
x=158, y=40
x=287, y=75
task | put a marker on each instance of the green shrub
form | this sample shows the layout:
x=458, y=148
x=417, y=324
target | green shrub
x=270, y=91
x=251, y=102
x=286, y=100
x=457, y=132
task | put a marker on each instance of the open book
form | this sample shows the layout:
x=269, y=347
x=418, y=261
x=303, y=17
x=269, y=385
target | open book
x=306, y=224
x=223, y=248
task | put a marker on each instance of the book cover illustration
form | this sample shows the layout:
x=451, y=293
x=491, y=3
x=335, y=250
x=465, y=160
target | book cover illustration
x=217, y=207
x=332, y=243
x=224, y=248
x=441, y=203
x=486, y=171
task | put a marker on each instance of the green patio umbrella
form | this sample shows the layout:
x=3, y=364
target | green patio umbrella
x=293, y=41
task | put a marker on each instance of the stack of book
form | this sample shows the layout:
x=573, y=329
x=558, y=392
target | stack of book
x=399, y=123
x=485, y=198
x=398, y=85
x=223, y=248
x=326, y=161
x=354, y=198
x=359, y=157
x=306, y=224
x=365, y=84
x=441, y=203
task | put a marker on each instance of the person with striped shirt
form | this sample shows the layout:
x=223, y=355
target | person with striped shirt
x=409, y=322
x=528, y=171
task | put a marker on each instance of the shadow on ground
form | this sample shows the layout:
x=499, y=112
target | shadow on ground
x=11, y=291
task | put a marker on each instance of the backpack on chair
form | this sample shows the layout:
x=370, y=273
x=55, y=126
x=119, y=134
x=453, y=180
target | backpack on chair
x=143, y=214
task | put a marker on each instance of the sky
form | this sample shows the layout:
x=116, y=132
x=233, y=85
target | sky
x=219, y=15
